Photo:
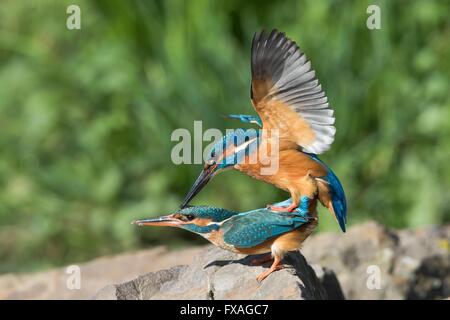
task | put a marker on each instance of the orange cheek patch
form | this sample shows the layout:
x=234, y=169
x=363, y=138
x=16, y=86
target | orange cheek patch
x=216, y=237
x=201, y=221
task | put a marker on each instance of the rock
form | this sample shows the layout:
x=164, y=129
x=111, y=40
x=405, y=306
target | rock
x=94, y=275
x=221, y=275
x=431, y=280
x=407, y=263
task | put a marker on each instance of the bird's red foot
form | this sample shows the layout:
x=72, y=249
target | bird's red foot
x=291, y=208
x=276, y=265
x=261, y=260
x=266, y=273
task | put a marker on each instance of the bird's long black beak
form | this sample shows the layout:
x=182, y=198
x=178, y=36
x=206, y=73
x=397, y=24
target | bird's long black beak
x=198, y=185
x=163, y=221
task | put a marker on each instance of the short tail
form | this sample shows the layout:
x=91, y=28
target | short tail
x=332, y=195
x=338, y=202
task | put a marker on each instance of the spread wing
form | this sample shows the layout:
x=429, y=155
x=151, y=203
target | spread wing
x=249, y=229
x=287, y=95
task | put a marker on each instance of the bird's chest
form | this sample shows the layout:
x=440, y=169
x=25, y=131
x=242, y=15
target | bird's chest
x=288, y=173
x=216, y=238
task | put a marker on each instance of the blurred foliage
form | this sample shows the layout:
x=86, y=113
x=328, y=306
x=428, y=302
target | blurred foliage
x=86, y=116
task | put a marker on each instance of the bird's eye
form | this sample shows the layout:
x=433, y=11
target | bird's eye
x=189, y=217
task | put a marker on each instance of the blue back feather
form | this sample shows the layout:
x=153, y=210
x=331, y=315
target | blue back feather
x=252, y=228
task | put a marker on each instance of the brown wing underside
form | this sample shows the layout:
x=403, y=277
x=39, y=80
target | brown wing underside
x=293, y=130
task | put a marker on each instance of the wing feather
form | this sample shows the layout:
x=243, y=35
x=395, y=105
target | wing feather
x=287, y=95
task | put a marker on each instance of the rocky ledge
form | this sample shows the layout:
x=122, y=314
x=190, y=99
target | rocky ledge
x=368, y=262
x=218, y=274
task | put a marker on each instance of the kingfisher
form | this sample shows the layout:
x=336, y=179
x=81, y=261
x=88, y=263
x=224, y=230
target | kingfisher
x=295, y=117
x=259, y=231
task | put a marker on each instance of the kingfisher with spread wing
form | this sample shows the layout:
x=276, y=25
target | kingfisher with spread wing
x=290, y=102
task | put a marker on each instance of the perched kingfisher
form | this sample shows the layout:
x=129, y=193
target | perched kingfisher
x=255, y=232
x=291, y=103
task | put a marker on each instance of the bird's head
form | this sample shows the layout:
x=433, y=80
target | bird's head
x=235, y=148
x=198, y=219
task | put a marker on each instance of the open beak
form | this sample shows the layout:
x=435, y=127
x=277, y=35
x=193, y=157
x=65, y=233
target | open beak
x=198, y=185
x=163, y=221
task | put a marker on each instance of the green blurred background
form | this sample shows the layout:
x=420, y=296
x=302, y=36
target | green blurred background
x=86, y=115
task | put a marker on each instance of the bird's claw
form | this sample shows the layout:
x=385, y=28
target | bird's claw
x=265, y=274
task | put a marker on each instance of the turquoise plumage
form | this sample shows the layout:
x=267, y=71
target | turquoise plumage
x=245, y=118
x=252, y=228
x=337, y=194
